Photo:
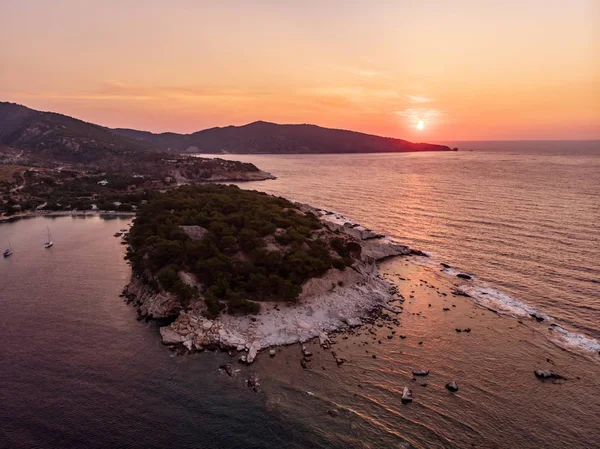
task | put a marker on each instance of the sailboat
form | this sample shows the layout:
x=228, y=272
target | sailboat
x=49, y=243
x=8, y=251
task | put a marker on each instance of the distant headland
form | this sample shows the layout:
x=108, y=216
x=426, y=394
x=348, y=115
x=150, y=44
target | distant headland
x=58, y=136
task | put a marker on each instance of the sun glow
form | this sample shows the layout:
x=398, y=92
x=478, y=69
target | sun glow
x=420, y=125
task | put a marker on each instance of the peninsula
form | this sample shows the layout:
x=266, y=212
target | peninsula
x=54, y=163
x=243, y=270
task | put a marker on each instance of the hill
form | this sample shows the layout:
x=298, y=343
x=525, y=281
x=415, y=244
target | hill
x=57, y=137
x=271, y=138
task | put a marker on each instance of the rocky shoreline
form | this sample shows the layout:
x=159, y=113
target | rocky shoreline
x=337, y=301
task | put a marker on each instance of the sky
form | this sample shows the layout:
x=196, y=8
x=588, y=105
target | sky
x=420, y=70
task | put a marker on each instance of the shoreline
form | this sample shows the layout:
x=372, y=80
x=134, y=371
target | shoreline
x=336, y=300
x=323, y=312
x=480, y=294
x=345, y=308
x=492, y=358
x=83, y=213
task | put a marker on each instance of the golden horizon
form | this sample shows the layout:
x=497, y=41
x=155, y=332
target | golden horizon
x=427, y=72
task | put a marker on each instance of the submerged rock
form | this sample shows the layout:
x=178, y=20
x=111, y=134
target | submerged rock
x=333, y=412
x=463, y=276
x=452, y=386
x=420, y=372
x=253, y=382
x=407, y=395
x=228, y=368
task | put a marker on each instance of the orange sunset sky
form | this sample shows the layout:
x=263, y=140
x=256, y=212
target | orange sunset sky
x=469, y=69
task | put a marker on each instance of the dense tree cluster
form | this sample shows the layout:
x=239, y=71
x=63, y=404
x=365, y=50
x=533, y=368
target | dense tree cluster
x=233, y=260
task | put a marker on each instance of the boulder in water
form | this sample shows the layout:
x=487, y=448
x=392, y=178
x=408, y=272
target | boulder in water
x=228, y=368
x=253, y=351
x=547, y=374
x=253, y=382
x=463, y=276
x=420, y=372
x=406, y=395
x=452, y=386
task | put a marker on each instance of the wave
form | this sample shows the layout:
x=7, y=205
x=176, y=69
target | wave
x=489, y=297
x=573, y=340
x=504, y=304
x=501, y=303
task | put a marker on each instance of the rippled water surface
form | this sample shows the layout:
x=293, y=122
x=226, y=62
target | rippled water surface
x=78, y=370
x=524, y=222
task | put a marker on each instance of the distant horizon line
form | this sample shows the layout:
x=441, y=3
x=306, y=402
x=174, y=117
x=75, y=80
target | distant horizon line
x=306, y=124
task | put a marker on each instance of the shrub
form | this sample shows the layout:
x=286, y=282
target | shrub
x=236, y=220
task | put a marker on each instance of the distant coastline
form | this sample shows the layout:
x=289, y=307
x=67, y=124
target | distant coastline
x=74, y=213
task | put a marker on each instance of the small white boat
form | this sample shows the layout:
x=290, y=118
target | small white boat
x=49, y=243
x=8, y=251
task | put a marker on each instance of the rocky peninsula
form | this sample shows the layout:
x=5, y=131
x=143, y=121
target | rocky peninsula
x=248, y=315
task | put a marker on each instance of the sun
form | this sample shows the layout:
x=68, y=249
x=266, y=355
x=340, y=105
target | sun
x=420, y=125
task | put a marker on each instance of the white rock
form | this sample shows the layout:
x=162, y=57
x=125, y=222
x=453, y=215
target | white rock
x=303, y=324
x=188, y=344
x=407, y=395
x=324, y=340
x=169, y=336
x=253, y=350
x=352, y=322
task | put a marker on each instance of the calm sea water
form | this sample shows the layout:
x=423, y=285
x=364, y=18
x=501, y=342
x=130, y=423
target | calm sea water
x=78, y=370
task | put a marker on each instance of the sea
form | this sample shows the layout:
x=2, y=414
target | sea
x=77, y=369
